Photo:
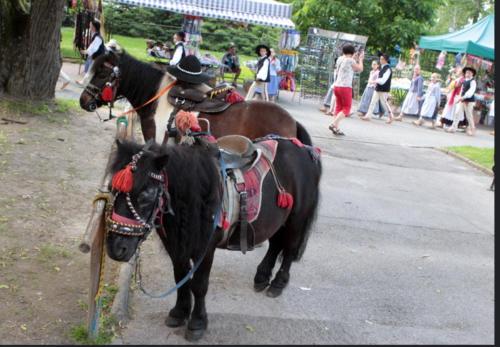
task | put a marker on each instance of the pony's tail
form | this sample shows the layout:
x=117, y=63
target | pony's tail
x=303, y=135
x=311, y=217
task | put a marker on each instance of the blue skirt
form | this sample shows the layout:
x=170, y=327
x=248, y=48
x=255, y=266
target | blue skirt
x=273, y=86
x=366, y=98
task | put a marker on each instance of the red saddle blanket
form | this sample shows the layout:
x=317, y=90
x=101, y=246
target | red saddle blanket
x=251, y=181
x=254, y=177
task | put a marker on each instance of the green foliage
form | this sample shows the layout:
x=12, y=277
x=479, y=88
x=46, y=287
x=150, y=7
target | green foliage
x=385, y=22
x=37, y=108
x=454, y=15
x=482, y=156
x=398, y=96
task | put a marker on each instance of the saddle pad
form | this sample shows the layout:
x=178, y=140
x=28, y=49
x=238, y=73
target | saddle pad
x=254, y=177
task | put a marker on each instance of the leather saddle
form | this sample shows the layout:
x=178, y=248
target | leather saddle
x=186, y=97
x=238, y=152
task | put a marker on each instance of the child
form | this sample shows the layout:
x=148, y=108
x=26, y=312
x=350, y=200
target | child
x=432, y=99
x=263, y=75
x=412, y=104
x=366, y=98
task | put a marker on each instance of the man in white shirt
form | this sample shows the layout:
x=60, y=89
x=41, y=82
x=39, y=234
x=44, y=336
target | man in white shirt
x=382, y=89
x=466, y=102
x=94, y=50
x=263, y=75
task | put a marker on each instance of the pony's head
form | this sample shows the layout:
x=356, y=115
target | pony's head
x=140, y=190
x=103, y=85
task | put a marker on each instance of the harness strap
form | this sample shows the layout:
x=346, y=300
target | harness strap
x=241, y=189
x=160, y=93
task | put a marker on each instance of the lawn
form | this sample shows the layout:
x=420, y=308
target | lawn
x=482, y=156
x=136, y=47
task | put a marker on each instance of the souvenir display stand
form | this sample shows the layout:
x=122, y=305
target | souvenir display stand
x=317, y=60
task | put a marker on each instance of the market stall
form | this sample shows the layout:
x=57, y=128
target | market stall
x=476, y=43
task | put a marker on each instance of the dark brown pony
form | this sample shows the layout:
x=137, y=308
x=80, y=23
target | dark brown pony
x=189, y=233
x=138, y=82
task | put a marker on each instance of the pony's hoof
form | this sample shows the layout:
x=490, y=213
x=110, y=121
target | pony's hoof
x=274, y=292
x=194, y=335
x=174, y=322
x=260, y=286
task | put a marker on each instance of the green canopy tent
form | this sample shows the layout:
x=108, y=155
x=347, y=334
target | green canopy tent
x=477, y=39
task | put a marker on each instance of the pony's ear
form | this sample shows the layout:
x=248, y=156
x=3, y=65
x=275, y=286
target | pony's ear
x=123, y=155
x=160, y=161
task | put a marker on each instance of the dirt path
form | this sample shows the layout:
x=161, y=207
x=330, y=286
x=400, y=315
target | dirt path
x=50, y=169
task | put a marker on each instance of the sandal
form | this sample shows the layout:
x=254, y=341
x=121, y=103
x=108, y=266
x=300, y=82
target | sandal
x=335, y=131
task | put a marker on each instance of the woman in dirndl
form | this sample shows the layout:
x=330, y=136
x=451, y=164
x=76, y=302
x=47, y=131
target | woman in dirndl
x=432, y=99
x=411, y=104
x=446, y=118
x=366, y=98
x=274, y=82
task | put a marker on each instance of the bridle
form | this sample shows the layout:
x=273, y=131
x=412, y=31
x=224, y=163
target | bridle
x=108, y=93
x=139, y=226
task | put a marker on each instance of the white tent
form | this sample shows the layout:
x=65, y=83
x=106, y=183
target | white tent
x=263, y=12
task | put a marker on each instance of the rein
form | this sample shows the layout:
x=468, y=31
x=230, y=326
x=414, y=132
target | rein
x=160, y=93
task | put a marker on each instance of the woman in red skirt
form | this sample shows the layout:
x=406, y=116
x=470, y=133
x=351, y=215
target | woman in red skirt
x=347, y=64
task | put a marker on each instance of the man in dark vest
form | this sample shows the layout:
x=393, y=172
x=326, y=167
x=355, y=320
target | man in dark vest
x=382, y=90
x=94, y=50
x=262, y=76
x=466, y=102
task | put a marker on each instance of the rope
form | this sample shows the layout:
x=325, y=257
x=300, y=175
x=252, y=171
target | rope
x=160, y=93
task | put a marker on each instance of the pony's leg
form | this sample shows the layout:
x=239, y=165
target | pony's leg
x=180, y=312
x=265, y=268
x=199, y=286
x=280, y=281
x=148, y=127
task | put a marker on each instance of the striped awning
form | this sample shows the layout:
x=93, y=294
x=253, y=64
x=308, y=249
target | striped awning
x=262, y=12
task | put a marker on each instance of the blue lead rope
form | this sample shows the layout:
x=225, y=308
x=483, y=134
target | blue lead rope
x=189, y=275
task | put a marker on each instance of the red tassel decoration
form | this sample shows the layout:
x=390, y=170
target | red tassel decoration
x=234, y=97
x=107, y=94
x=187, y=120
x=285, y=199
x=123, y=180
x=297, y=142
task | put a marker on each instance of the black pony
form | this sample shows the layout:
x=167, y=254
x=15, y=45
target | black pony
x=187, y=180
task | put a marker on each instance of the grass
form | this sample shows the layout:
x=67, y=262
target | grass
x=107, y=322
x=37, y=108
x=480, y=155
x=136, y=47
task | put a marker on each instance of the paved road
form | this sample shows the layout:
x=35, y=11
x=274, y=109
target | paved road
x=401, y=253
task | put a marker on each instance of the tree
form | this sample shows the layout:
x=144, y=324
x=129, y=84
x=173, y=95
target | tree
x=454, y=15
x=385, y=22
x=30, y=57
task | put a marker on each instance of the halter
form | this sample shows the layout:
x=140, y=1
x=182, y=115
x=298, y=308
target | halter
x=108, y=92
x=140, y=226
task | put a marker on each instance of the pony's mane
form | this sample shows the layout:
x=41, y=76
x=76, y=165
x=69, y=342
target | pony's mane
x=140, y=80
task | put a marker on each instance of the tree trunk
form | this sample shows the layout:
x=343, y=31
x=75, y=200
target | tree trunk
x=30, y=58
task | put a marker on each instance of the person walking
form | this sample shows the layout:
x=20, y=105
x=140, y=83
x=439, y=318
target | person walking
x=447, y=116
x=180, y=49
x=262, y=76
x=348, y=63
x=231, y=63
x=382, y=88
x=366, y=98
x=274, y=82
x=432, y=99
x=94, y=50
x=466, y=102
x=412, y=102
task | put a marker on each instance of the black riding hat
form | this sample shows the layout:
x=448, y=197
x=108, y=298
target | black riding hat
x=471, y=69
x=257, y=50
x=189, y=70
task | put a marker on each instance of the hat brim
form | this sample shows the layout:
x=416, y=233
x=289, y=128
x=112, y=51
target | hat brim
x=182, y=76
x=471, y=69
